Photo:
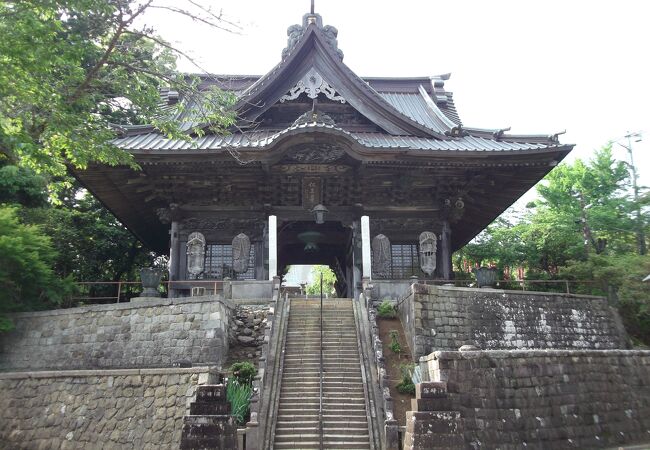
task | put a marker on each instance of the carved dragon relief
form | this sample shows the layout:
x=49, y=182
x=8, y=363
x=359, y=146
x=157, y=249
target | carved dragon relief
x=320, y=153
x=312, y=84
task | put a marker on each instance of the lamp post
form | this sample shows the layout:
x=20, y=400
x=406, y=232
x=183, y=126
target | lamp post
x=640, y=234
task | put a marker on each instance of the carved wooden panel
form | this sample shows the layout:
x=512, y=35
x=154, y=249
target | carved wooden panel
x=311, y=191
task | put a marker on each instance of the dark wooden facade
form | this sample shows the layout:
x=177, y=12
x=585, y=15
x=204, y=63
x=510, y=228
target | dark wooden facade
x=312, y=132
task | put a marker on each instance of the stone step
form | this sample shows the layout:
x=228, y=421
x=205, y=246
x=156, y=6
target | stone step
x=308, y=400
x=329, y=396
x=333, y=410
x=343, y=424
x=331, y=381
x=309, y=445
x=327, y=418
x=332, y=437
x=344, y=406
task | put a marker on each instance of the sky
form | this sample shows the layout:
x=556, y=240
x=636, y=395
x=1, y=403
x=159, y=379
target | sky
x=536, y=66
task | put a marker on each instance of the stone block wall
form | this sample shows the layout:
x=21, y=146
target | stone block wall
x=540, y=399
x=152, y=333
x=102, y=409
x=446, y=318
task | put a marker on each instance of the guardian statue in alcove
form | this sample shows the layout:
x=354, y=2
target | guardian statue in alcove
x=428, y=247
x=381, y=255
x=241, y=252
x=195, y=255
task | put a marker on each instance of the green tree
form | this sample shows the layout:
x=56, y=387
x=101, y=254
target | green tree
x=591, y=195
x=27, y=281
x=583, y=209
x=74, y=70
x=91, y=244
x=22, y=186
x=329, y=280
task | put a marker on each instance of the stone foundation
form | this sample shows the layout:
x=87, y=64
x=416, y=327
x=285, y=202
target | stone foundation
x=152, y=333
x=534, y=399
x=446, y=318
x=103, y=409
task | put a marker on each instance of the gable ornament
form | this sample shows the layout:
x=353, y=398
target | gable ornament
x=312, y=84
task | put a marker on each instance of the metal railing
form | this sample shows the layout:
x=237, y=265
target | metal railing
x=121, y=291
x=320, y=394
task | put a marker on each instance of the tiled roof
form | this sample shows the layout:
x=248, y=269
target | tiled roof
x=265, y=138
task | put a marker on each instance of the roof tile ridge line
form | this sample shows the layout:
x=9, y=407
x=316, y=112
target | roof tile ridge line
x=499, y=134
x=433, y=108
x=427, y=77
x=365, y=85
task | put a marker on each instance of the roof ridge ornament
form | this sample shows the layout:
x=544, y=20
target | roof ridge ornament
x=312, y=84
x=295, y=33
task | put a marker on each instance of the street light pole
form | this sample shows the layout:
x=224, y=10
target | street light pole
x=640, y=234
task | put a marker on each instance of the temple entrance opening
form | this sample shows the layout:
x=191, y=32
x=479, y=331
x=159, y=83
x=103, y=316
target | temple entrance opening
x=309, y=243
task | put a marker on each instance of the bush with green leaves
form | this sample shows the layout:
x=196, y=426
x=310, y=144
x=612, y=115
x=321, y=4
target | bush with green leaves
x=239, y=396
x=406, y=386
x=243, y=372
x=394, y=341
x=386, y=310
x=27, y=281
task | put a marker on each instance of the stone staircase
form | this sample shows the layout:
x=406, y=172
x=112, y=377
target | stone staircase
x=345, y=419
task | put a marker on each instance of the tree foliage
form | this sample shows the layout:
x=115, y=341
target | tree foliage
x=27, y=280
x=74, y=70
x=91, y=244
x=74, y=73
x=329, y=280
x=583, y=208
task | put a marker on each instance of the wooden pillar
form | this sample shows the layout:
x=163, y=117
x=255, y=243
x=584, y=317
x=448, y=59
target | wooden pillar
x=446, y=250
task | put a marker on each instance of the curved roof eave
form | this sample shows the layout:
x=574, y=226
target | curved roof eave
x=364, y=144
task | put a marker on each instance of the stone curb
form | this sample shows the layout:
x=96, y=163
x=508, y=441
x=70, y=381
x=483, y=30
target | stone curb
x=456, y=355
x=109, y=372
x=432, y=289
x=154, y=302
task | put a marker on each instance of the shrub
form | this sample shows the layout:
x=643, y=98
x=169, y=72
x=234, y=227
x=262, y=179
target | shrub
x=27, y=281
x=239, y=396
x=386, y=310
x=243, y=372
x=394, y=342
x=406, y=386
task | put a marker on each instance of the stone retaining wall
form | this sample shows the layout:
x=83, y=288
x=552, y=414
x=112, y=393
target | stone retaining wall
x=152, y=333
x=538, y=399
x=445, y=318
x=107, y=409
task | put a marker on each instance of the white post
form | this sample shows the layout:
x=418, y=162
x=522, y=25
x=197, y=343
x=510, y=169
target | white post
x=365, y=247
x=173, y=251
x=273, y=247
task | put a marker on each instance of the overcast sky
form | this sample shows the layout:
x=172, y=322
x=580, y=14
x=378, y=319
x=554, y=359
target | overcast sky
x=537, y=66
